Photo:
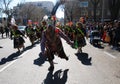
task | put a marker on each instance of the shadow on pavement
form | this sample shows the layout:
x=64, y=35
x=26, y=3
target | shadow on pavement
x=31, y=46
x=9, y=58
x=59, y=77
x=99, y=46
x=40, y=60
x=83, y=57
x=1, y=47
x=14, y=56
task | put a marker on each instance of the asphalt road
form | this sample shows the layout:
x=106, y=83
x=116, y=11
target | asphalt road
x=93, y=66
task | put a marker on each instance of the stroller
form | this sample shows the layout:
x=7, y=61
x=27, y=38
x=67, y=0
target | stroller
x=95, y=37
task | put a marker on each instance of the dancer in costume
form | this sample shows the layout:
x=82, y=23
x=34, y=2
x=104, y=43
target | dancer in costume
x=30, y=31
x=52, y=43
x=38, y=32
x=18, y=38
x=79, y=36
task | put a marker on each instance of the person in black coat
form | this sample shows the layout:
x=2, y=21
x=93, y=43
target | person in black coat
x=18, y=40
x=117, y=36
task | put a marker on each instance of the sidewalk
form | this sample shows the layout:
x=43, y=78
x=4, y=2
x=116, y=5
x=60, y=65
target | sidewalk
x=105, y=47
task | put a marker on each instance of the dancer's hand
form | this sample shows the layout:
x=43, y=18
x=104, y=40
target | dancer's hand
x=26, y=37
x=70, y=42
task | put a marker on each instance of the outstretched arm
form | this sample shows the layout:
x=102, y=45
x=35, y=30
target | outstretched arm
x=65, y=37
x=43, y=43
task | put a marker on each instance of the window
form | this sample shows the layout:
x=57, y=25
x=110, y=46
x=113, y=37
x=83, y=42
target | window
x=84, y=4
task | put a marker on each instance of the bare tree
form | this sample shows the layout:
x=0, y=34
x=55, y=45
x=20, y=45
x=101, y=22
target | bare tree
x=5, y=5
x=27, y=10
x=71, y=10
x=31, y=12
x=38, y=14
x=1, y=4
x=114, y=7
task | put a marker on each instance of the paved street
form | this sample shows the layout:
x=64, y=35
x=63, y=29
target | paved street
x=99, y=20
x=93, y=66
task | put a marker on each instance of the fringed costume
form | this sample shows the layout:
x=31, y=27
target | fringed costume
x=52, y=42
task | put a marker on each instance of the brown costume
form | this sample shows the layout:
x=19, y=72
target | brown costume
x=30, y=31
x=53, y=44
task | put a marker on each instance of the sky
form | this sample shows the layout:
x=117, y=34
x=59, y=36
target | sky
x=59, y=13
x=15, y=2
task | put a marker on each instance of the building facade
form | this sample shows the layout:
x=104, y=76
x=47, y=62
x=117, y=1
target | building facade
x=86, y=9
x=34, y=11
x=47, y=5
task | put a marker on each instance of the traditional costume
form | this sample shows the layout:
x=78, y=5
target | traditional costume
x=80, y=34
x=18, y=38
x=38, y=32
x=52, y=42
x=31, y=34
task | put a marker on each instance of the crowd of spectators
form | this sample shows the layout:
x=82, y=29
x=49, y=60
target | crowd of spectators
x=109, y=32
